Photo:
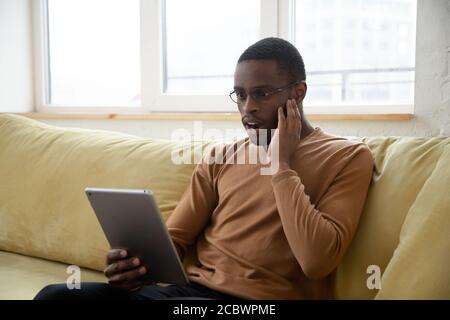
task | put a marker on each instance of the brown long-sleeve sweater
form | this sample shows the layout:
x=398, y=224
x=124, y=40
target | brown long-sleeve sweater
x=280, y=236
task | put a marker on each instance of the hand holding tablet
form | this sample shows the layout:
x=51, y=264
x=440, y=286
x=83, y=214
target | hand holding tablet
x=124, y=271
x=143, y=252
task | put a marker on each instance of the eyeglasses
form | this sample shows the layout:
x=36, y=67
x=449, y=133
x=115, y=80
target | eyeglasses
x=240, y=96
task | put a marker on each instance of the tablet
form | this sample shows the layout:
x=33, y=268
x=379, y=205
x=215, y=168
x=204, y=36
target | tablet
x=131, y=220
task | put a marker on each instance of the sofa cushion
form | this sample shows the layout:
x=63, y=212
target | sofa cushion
x=403, y=167
x=45, y=169
x=21, y=277
x=419, y=268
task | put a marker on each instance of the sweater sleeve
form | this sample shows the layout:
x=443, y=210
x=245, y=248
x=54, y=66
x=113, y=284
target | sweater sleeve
x=320, y=234
x=194, y=210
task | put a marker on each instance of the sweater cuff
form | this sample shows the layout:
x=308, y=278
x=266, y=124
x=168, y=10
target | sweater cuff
x=281, y=175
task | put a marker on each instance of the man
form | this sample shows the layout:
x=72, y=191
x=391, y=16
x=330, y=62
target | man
x=278, y=236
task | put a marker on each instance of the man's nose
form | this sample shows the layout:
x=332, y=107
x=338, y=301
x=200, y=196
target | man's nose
x=250, y=105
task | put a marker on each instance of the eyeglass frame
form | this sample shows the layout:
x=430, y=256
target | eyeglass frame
x=266, y=94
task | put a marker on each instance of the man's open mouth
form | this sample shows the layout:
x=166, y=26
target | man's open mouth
x=252, y=125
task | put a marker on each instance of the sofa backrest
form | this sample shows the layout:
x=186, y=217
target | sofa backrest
x=44, y=212
x=402, y=230
x=45, y=169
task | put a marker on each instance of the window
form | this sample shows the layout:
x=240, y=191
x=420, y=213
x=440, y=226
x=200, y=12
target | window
x=177, y=55
x=366, y=52
x=94, y=52
x=200, y=57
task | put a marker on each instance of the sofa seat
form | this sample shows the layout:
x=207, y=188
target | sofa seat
x=21, y=277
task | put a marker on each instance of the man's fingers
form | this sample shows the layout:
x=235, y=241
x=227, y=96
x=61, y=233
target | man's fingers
x=131, y=276
x=121, y=266
x=289, y=113
x=293, y=120
x=297, y=111
x=289, y=109
x=114, y=255
x=281, y=119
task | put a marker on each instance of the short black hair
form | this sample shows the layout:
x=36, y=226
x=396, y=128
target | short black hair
x=289, y=60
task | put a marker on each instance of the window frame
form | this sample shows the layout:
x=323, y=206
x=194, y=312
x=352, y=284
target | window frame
x=153, y=100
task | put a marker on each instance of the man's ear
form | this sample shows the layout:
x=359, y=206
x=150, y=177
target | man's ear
x=300, y=91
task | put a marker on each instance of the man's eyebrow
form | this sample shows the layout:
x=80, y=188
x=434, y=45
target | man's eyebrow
x=264, y=86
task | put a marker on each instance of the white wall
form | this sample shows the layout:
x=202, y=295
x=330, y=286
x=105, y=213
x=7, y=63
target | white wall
x=16, y=69
x=154, y=129
x=432, y=98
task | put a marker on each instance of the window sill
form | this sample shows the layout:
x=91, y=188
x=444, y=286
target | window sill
x=205, y=116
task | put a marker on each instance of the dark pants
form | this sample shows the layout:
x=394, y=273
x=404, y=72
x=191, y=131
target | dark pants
x=97, y=290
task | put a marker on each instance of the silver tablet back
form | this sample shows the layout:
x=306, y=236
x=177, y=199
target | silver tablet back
x=131, y=220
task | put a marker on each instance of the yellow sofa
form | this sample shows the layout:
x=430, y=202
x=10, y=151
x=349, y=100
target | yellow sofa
x=46, y=222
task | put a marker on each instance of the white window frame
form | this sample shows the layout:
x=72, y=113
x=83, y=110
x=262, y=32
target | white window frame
x=281, y=24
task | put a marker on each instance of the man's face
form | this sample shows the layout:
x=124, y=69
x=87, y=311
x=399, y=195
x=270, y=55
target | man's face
x=253, y=78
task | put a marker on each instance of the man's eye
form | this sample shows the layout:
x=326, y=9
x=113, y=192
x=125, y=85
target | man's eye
x=240, y=95
x=259, y=94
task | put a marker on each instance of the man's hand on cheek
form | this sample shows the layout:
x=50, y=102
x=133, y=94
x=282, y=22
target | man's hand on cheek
x=287, y=135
